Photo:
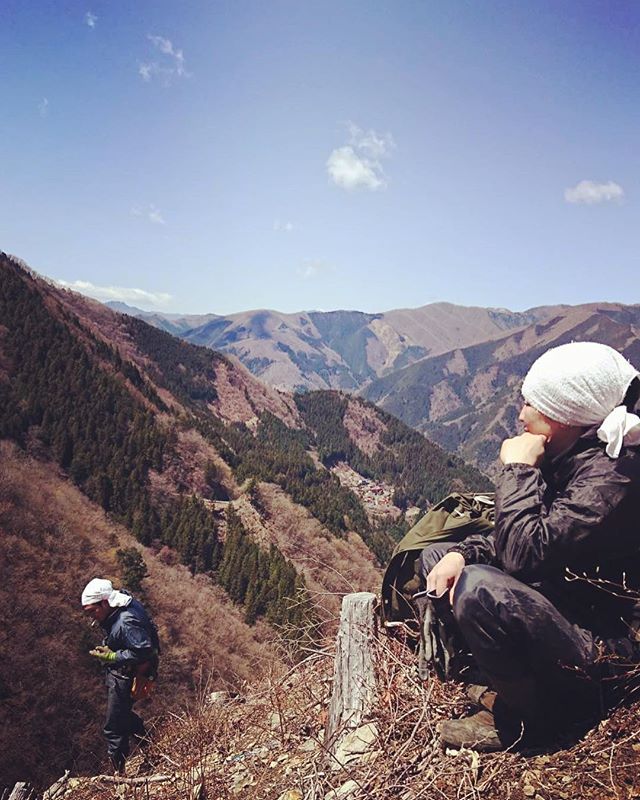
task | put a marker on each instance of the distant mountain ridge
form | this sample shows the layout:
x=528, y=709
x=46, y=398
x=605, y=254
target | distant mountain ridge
x=339, y=349
x=468, y=399
x=451, y=372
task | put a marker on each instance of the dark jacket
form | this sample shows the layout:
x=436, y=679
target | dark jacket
x=133, y=636
x=571, y=528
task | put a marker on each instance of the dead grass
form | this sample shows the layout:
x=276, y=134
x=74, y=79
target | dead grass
x=242, y=397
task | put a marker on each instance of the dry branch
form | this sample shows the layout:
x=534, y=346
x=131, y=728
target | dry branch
x=142, y=781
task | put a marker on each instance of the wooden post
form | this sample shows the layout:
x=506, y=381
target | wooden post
x=354, y=682
x=22, y=791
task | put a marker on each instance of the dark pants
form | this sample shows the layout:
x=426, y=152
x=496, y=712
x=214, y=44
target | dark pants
x=539, y=663
x=121, y=721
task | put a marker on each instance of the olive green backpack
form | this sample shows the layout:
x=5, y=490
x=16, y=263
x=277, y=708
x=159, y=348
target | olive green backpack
x=404, y=601
x=451, y=520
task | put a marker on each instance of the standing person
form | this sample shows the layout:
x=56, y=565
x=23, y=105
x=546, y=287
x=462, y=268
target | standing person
x=130, y=648
x=542, y=601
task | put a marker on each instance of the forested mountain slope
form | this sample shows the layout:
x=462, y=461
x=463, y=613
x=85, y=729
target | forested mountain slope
x=182, y=457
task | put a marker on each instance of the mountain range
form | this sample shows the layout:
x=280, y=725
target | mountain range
x=468, y=399
x=451, y=372
x=339, y=349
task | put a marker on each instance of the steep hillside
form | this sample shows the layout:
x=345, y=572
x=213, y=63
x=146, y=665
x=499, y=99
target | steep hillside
x=468, y=399
x=339, y=349
x=379, y=446
x=110, y=398
x=51, y=692
x=233, y=493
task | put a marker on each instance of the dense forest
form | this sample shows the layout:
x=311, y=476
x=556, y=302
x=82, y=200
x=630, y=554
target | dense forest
x=421, y=471
x=75, y=398
x=66, y=393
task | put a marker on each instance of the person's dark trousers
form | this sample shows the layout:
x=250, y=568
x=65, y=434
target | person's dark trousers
x=450, y=657
x=121, y=721
x=537, y=661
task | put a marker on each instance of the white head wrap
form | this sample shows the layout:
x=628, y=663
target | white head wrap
x=100, y=589
x=584, y=383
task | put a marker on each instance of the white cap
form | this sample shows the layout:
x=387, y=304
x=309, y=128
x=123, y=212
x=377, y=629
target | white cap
x=100, y=589
x=583, y=383
x=578, y=383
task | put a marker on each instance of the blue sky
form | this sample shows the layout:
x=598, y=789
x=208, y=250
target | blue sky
x=222, y=156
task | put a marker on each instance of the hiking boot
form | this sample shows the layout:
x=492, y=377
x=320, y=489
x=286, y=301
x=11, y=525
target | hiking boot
x=481, y=696
x=477, y=732
x=117, y=764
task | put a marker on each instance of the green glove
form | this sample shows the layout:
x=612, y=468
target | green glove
x=102, y=653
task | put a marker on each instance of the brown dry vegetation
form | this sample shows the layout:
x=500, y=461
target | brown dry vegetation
x=51, y=692
x=332, y=567
x=364, y=426
x=241, y=397
x=443, y=400
x=270, y=742
x=184, y=471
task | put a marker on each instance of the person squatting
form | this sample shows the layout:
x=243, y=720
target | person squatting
x=542, y=603
x=130, y=648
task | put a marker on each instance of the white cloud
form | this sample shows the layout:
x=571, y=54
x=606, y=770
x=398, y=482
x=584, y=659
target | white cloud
x=171, y=66
x=151, y=213
x=43, y=107
x=590, y=193
x=357, y=165
x=371, y=143
x=145, y=71
x=121, y=293
x=90, y=19
x=154, y=216
x=286, y=227
x=166, y=47
x=350, y=171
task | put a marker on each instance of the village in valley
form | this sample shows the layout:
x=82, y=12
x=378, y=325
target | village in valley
x=375, y=496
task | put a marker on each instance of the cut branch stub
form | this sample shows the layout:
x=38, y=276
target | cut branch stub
x=354, y=682
x=22, y=791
